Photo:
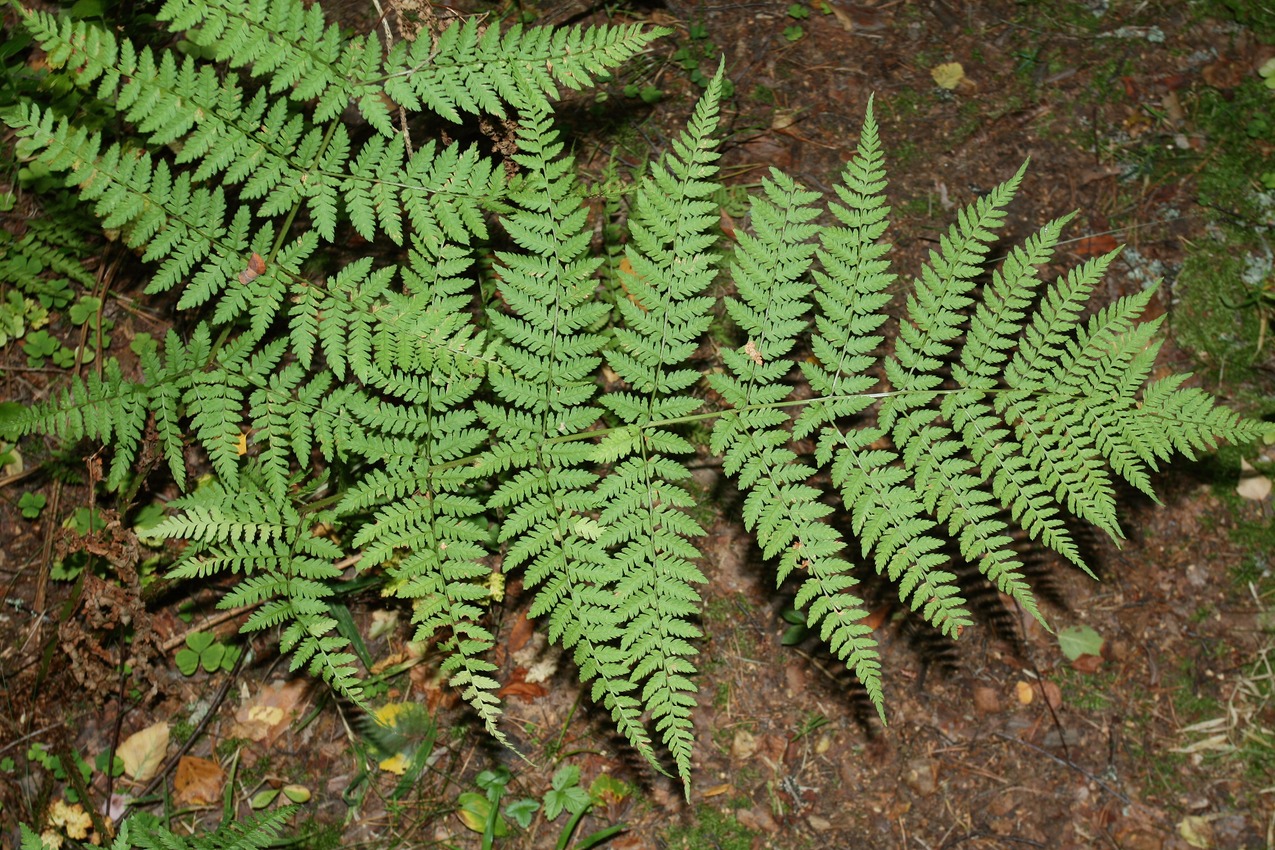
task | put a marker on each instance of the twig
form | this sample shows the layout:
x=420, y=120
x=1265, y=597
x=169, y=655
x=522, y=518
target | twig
x=211, y=623
x=389, y=42
x=1067, y=763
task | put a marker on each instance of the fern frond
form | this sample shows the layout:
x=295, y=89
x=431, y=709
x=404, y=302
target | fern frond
x=288, y=570
x=293, y=48
x=673, y=227
x=548, y=500
x=783, y=509
x=427, y=527
x=45, y=260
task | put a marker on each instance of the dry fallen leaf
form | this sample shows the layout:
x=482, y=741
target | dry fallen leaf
x=71, y=819
x=1252, y=485
x=744, y=745
x=143, y=752
x=842, y=16
x=1052, y=694
x=383, y=622
x=264, y=718
x=521, y=633
x=395, y=764
x=949, y=75
x=1092, y=246
x=1196, y=831
x=198, y=781
x=518, y=686
x=875, y=619
x=782, y=119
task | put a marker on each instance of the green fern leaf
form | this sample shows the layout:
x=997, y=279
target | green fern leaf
x=752, y=438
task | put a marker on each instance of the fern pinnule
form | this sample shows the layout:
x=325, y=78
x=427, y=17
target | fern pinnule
x=1075, y=477
x=426, y=528
x=293, y=48
x=853, y=279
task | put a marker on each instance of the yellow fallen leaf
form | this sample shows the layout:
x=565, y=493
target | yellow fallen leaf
x=1196, y=831
x=267, y=714
x=241, y=445
x=948, y=75
x=387, y=715
x=395, y=764
x=143, y=752
x=71, y=819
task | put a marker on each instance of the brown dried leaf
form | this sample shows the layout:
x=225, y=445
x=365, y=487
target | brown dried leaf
x=518, y=686
x=198, y=781
x=522, y=631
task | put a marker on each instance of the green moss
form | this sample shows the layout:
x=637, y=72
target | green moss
x=710, y=828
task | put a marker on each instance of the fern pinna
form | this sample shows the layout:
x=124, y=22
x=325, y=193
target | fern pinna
x=427, y=407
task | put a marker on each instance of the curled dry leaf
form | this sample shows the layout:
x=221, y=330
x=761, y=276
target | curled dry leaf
x=143, y=752
x=518, y=686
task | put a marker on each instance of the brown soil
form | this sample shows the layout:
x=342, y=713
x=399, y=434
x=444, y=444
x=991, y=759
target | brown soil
x=996, y=741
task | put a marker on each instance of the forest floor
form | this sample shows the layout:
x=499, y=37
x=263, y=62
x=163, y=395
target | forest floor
x=1158, y=738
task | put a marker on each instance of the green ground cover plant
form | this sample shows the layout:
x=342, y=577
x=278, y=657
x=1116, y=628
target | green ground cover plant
x=427, y=404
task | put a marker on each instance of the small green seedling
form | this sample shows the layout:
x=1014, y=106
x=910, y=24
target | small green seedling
x=482, y=813
x=39, y=345
x=204, y=650
x=794, y=32
x=31, y=504
x=38, y=754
